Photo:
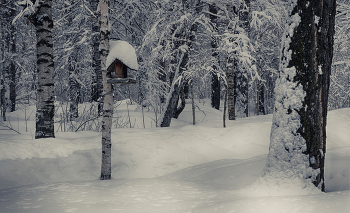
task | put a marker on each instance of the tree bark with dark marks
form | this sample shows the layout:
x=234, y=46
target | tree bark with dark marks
x=97, y=86
x=107, y=92
x=45, y=108
x=215, y=83
x=298, y=133
x=312, y=53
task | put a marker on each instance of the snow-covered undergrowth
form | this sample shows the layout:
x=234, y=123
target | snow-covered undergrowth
x=184, y=168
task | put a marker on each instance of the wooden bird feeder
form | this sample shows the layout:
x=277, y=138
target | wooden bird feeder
x=118, y=74
x=121, y=58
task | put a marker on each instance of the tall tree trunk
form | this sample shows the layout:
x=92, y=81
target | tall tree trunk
x=2, y=80
x=73, y=89
x=172, y=100
x=215, y=91
x=171, y=104
x=97, y=86
x=259, y=87
x=215, y=84
x=107, y=92
x=241, y=73
x=230, y=74
x=12, y=78
x=193, y=105
x=45, y=108
x=298, y=135
x=12, y=68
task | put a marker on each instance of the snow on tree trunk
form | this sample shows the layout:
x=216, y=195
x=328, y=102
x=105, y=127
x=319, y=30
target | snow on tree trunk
x=298, y=133
x=171, y=103
x=45, y=107
x=107, y=92
x=182, y=105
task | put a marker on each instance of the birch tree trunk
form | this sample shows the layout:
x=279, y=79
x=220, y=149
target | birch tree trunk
x=97, y=87
x=45, y=107
x=298, y=134
x=107, y=92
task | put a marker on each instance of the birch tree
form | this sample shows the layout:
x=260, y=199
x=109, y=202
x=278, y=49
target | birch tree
x=107, y=92
x=39, y=13
x=298, y=134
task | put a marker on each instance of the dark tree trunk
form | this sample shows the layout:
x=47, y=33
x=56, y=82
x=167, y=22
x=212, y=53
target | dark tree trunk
x=231, y=66
x=162, y=78
x=186, y=90
x=312, y=53
x=74, y=89
x=298, y=133
x=261, y=98
x=13, y=95
x=2, y=80
x=45, y=108
x=12, y=68
x=215, y=91
x=215, y=84
x=231, y=88
x=241, y=74
x=175, y=92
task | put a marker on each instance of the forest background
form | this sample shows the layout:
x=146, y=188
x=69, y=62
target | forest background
x=219, y=35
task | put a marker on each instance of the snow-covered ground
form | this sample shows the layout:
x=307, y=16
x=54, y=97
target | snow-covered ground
x=183, y=168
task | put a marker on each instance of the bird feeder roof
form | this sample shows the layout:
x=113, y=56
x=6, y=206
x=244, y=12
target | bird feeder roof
x=124, y=52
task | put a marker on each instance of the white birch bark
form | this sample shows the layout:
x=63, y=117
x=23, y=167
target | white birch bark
x=107, y=92
x=45, y=108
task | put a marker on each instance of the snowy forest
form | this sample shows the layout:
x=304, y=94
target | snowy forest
x=222, y=106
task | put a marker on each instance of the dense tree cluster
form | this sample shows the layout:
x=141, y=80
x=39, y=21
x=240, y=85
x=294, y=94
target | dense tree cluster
x=200, y=45
x=229, y=52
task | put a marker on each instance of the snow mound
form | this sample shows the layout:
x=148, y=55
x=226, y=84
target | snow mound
x=124, y=52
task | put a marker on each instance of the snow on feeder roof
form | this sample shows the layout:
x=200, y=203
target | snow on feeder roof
x=124, y=52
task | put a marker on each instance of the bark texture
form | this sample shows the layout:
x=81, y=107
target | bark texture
x=182, y=105
x=312, y=53
x=298, y=133
x=97, y=86
x=2, y=80
x=45, y=107
x=215, y=83
x=241, y=75
x=172, y=100
x=74, y=89
x=107, y=92
x=230, y=75
x=12, y=67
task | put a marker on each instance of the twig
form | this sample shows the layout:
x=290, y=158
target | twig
x=86, y=122
x=6, y=126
